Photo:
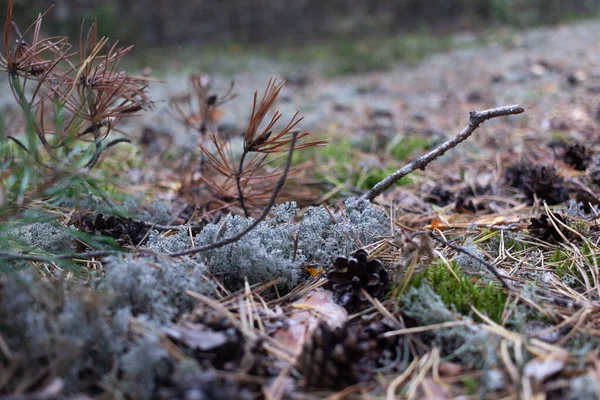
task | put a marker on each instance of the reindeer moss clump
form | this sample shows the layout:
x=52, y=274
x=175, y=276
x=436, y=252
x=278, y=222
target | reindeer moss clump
x=36, y=237
x=154, y=288
x=45, y=321
x=269, y=251
x=103, y=332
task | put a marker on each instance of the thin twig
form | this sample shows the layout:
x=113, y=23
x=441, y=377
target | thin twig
x=466, y=252
x=229, y=240
x=8, y=255
x=476, y=118
x=160, y=227
x=238, y=181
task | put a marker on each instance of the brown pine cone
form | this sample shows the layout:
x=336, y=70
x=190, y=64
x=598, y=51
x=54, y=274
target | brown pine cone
x=578, y=157
x=384, y=349
x=356, y=273
x=126, y=231
x=334, y=359
x=545, y=184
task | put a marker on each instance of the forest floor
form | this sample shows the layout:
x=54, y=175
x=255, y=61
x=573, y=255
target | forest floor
x=479, y=276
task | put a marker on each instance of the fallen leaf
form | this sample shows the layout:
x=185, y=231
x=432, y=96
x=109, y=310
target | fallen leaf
x=305, y=316
x=314, y=271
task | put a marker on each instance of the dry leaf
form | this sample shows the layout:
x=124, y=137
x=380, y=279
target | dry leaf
x=305, y=316
x=314, y=271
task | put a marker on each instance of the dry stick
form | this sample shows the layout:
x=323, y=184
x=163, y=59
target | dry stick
x=466, y=252
x=476, y=118
x=258, y=220
x=7, y=255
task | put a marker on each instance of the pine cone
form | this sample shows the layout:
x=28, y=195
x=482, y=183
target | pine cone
x=126, y=231
x=544, y=183
x=356, y=273
x=513, y=176
x=385, y=350
x=537, y=181
x=578, y=157
x=542, y=228
x=335, y=359
x=440, y=196
x=465, y=205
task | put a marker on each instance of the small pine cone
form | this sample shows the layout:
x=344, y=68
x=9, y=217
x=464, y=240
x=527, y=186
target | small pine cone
x=126, y=231
x=335, y=358
x=543, y=182
x=353, y=274
x=577, y=156
x=465, y=205
x=513, y=176
x=440, y=196
x=385, y=350
x=542, y=228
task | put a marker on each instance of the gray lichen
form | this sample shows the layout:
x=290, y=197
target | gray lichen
x=269, y=251
x=466, y=261
x=37, y=237
x=471, y=345
x=61, y=321
x=143, y=367
x=584, y=387
x=426, y=306
x=155, y=288
x=169, y=244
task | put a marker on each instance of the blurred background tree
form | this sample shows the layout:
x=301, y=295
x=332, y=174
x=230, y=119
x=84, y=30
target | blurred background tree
x=169, y=22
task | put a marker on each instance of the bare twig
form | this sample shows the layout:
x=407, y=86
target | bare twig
x=267, y=209
x=466, y=252
x=476, y=118
x=8, y=255
x=160, y=227
x=238, y=181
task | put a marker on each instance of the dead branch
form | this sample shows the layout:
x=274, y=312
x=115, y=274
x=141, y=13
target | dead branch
x=267, y=209
x=476, y=118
